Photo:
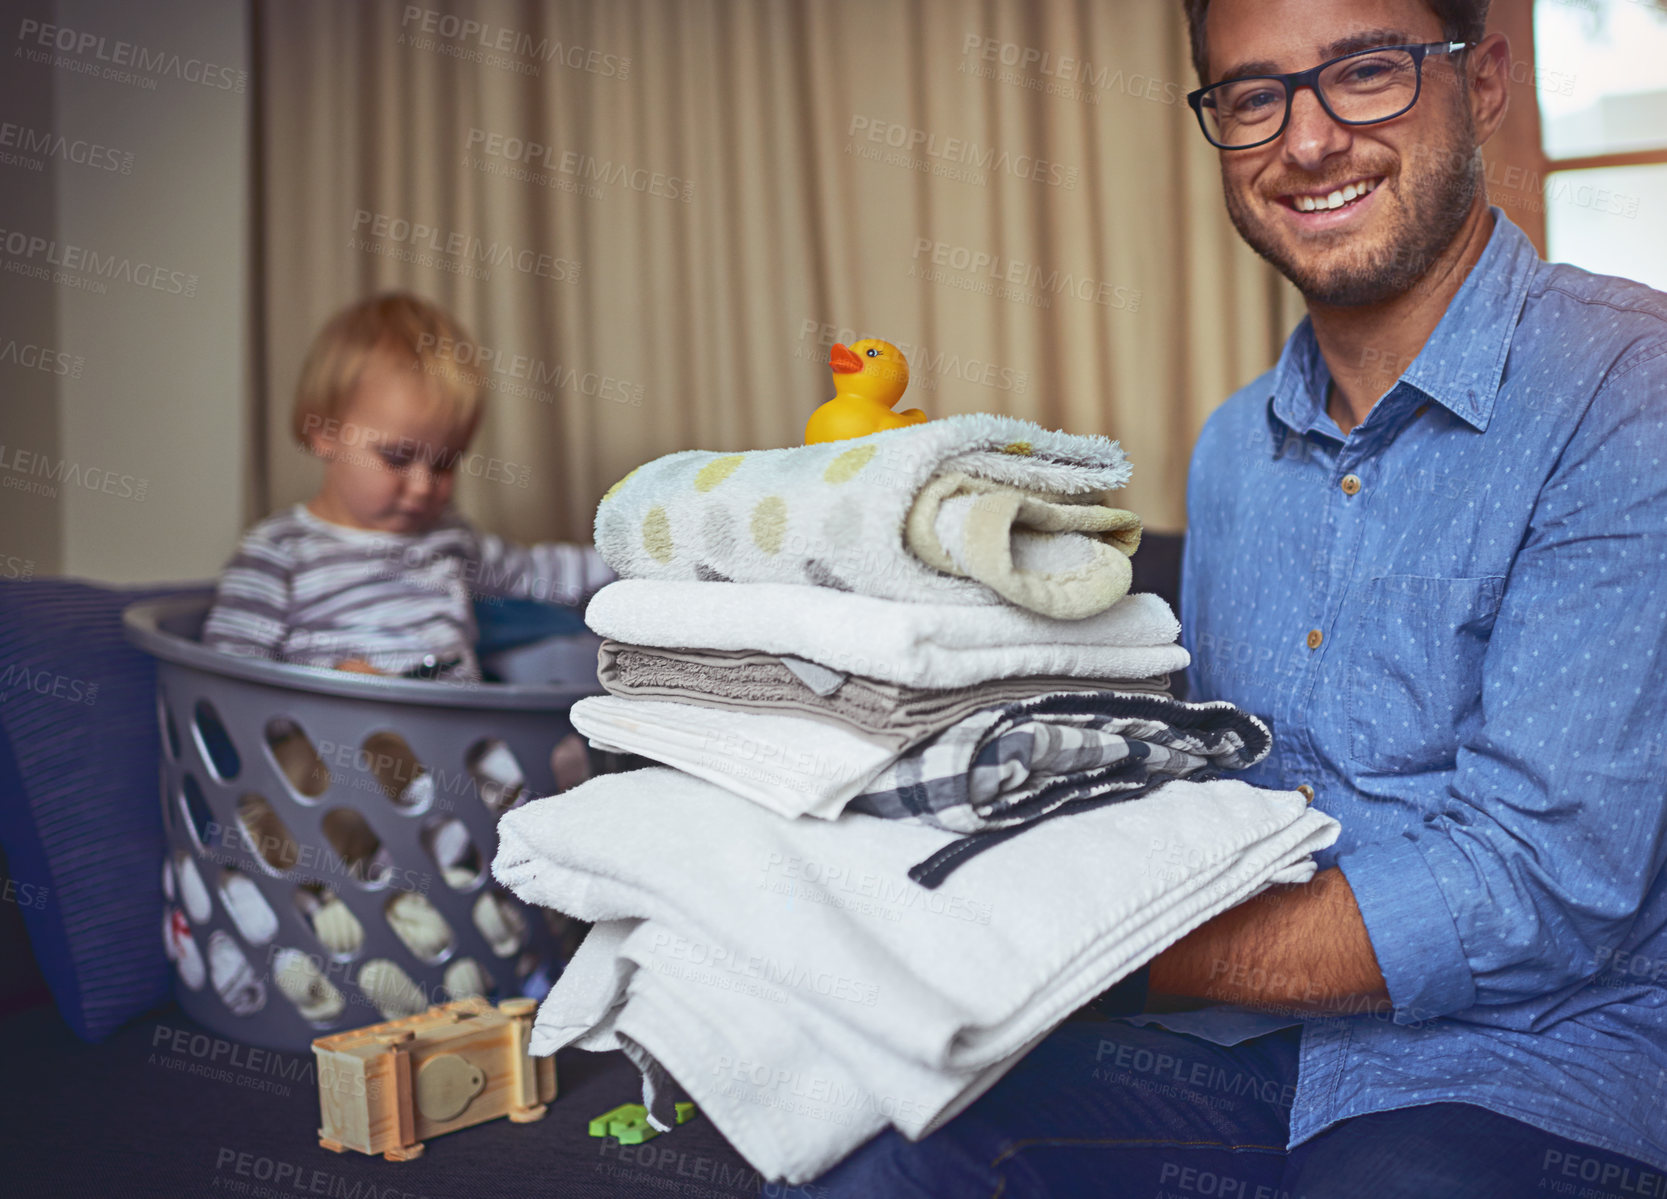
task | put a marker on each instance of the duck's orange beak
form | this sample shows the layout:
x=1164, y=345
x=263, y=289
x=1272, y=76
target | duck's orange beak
x=843, y=361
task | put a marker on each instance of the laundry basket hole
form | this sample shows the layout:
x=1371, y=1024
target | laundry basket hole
x=570, y=762
x=398, y=771
x=193, y=894
x=359, y=848
x=216, y=743
x=181, y=948
x=197, y=812
x=331, y=920
x=240, y=895
x=498, y=776
x=170, y=734
x=390, y=990
x=419, y=926
x=301, y=980
x=500, y=921
x=234, y=979
x=266, y=833
x=296, y=758
x=454, y=852
x=465, y=978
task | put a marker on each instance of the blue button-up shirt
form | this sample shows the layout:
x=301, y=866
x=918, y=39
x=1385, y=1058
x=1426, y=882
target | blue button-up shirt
x=1455, y=621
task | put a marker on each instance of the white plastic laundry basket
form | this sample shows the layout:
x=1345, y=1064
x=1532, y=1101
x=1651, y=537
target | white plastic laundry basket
x=330, y=834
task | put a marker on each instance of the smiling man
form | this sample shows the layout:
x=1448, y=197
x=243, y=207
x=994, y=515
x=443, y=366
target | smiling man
x=1430, y=548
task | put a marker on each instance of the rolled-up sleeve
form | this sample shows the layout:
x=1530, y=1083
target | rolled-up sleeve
x=1555, y=825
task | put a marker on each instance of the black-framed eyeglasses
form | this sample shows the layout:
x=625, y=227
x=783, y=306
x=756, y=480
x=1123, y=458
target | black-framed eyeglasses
x=1361, y=88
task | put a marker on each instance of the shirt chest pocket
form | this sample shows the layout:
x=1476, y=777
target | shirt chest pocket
x=1415, y=669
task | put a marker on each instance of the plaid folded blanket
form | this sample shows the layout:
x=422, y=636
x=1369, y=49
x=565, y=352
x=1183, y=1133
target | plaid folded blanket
x=1007, y=767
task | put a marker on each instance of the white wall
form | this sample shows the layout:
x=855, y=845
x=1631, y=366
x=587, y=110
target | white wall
x=142, y=476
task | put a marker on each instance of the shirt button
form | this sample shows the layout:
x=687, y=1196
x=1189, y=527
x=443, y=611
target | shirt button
x=1307, y=792
x=1314, y=638
x=1351, y=484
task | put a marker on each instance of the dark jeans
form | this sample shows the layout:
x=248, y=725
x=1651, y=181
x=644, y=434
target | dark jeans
x=1104, y=1108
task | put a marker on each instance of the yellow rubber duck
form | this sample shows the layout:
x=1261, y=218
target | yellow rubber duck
x=869, y=377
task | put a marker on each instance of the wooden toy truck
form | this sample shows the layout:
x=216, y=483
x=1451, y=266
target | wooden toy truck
x=389, y=1087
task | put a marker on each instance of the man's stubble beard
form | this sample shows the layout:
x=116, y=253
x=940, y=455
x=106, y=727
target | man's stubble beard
x=1434, y=206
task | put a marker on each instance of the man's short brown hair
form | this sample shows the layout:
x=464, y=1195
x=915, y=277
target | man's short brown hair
x=397, y=329
x=1461, y=21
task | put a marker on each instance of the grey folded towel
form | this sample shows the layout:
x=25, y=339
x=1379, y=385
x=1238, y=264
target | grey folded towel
x=758, y=682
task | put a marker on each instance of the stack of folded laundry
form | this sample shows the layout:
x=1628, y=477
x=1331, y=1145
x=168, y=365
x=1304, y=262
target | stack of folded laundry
x=875, y=664
x=806, y=994
x=812, y=701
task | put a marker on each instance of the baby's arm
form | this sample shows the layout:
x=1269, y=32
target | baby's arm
x=558, y=572
x=250, y=616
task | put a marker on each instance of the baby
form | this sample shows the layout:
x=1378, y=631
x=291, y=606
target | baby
x=376, y=573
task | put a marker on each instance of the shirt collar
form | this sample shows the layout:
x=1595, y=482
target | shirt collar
x=1460, y=366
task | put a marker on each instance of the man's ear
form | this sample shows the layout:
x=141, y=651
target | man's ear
x=1490, y=84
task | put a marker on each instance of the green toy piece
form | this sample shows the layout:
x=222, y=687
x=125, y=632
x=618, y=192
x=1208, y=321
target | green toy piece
x=628, y=1123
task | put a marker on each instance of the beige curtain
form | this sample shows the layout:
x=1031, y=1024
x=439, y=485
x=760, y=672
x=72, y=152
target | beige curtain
x=1016, y=193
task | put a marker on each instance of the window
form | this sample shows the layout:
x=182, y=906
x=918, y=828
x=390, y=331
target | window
x=1600, y=72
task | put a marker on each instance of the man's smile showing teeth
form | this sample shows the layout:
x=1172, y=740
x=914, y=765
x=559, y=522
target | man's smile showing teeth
x=1347, y=194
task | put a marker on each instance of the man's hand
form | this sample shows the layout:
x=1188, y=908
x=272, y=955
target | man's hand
x=358, y=666
x=1291, y=949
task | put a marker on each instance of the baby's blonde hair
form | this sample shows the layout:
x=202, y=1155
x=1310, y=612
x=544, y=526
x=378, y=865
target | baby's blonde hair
x=402, y=331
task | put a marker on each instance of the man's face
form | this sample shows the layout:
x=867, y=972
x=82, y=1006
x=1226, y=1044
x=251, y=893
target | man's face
x=1422, y=166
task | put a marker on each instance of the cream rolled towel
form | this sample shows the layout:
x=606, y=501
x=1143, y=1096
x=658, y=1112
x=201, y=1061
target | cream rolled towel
x=835, y=515
x=1062, y=556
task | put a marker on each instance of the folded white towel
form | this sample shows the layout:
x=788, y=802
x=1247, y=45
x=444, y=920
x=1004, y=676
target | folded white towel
x=917, y=644
x=1023, y=933
x=870, y=977
x=790, y=1090
x=793, y=765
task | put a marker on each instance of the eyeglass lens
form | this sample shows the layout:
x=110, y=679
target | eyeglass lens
x=1361, y=88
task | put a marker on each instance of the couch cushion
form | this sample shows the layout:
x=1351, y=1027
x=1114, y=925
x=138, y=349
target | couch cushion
x=80, y=816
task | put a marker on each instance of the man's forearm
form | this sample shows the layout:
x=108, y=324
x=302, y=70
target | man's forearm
x=1291, y=948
